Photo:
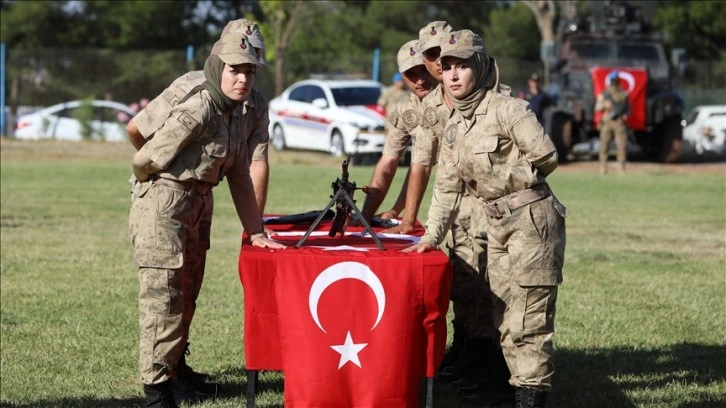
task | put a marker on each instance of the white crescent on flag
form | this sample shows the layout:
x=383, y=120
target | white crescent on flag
x=346, y=270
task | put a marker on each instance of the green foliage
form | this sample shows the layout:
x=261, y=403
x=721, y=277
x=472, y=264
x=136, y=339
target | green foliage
x=513, y=33
x=697, y=26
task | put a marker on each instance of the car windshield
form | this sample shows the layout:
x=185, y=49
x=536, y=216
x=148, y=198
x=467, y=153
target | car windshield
x=691, y=116
x=594, y=50
x=646, y=52
x=362, y=95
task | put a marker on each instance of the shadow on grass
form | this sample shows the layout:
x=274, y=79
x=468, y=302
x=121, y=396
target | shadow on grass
x=594, y=378
x=603, y=377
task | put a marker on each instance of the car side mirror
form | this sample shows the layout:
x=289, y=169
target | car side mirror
x=320, y=103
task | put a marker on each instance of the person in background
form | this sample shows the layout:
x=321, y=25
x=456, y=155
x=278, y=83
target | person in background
x=393, y=95
x=474, y=364
x=402, y=128
x=538, y=99
x=500, y=153
x=615, y=108
x=190, y=385
x=198, y=144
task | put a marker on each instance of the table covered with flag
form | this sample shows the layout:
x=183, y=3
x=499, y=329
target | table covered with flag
x=350, y=325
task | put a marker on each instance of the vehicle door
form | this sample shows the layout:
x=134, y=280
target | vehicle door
x=296, y=117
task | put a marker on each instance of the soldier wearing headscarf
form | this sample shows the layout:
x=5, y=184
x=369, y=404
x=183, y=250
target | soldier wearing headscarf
x=499, y=153
x=197, y=144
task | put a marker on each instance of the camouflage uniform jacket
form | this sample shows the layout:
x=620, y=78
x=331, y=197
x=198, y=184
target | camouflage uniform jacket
x=404, y=125
x=199, y=142
x=490, y=156
x=254, y=113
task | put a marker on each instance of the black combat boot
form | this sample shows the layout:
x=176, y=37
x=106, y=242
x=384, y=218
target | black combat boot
x=159, y=396
x=525, y=397
x=184, y=391
x=470, y=363
x=200, y=381
x=457, y=345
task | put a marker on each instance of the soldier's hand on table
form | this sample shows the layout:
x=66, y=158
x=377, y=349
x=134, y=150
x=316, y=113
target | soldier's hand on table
x=264, y=242
x=388, y=215
x=420, y=248
x=402, y=228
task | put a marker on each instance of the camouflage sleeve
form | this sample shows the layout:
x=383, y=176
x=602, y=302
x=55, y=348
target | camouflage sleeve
x=525, y=130
x=260, y=137
x=442, y=212
x=183, y=125
x=447, y=178
x=425, y=147
x=397, y=136
x=152, y=117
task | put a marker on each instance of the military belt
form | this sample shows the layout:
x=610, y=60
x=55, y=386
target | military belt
x=505, y=205
x=194, y=187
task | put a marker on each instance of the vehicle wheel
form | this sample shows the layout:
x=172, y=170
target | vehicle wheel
x=561, y=135
x=670, y=133
x=277, y=138
x=337, y=145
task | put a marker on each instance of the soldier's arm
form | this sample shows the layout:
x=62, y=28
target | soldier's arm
x=418, y=179
x=260, y=174
x=379, y=185
x=135, y=137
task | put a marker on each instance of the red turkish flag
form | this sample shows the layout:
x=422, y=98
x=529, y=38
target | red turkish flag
x=635, y=82
x=351, y=332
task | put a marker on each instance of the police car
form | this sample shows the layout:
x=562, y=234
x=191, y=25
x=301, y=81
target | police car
x=340, y=116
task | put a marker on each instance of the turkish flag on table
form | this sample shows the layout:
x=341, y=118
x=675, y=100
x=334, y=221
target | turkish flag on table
x=348, y=334
x=635, y=82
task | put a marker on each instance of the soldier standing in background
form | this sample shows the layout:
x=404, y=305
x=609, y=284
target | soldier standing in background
x=393, y=95
x=613, y=103
x=538, y=99
x=198, y=145
x=190, y=385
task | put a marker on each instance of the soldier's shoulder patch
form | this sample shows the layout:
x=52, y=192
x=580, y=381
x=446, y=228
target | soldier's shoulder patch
x=429, y=116
x=187, y=120
x=410, y=118
x=450, y=134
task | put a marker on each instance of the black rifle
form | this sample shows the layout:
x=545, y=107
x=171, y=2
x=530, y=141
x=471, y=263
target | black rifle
x=342, y=206
x=342, y=199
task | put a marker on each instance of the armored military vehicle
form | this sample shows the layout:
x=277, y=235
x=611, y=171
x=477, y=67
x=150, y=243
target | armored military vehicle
x=614, y=38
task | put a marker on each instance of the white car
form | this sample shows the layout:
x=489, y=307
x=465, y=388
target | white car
x=704, y=130
x=336, y=116
x=106, y=120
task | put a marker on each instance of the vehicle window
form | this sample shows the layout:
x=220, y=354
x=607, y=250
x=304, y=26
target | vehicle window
x=638, y=51
x=591, y=49
x=315, y=92
x=692, y=115
x=717, y=114
x=299, y=94
x=65, y=113
x=362, y=95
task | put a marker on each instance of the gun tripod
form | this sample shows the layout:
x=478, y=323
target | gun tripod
x=341, y=194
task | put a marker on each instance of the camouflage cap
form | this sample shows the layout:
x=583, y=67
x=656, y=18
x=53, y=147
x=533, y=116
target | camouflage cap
x=462, y=44
x=236, y=49
x=409, y=56
x=433, y=34
x=248, y=28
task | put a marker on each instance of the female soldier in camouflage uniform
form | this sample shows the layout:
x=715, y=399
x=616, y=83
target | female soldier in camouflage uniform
x=501, y=155
x=198, y=144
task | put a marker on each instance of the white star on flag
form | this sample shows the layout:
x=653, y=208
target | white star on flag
x=349, y=351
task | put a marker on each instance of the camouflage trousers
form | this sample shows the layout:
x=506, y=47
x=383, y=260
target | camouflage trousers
x=525, y=257
x=169, y=230
x=470, y=291
x=618, y=130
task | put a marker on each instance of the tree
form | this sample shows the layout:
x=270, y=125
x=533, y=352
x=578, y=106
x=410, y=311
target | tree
x=284, y=17
x=697, y=26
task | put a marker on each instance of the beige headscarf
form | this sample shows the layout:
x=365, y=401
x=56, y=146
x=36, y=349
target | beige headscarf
x=485, y=72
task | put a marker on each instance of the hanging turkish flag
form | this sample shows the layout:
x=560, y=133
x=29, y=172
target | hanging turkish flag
x=635, y=82
x=351, y=331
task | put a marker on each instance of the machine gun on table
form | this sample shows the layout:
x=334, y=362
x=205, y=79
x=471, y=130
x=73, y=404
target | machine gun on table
x=342, y=199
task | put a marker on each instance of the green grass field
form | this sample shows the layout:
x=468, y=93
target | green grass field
x=641, y=318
